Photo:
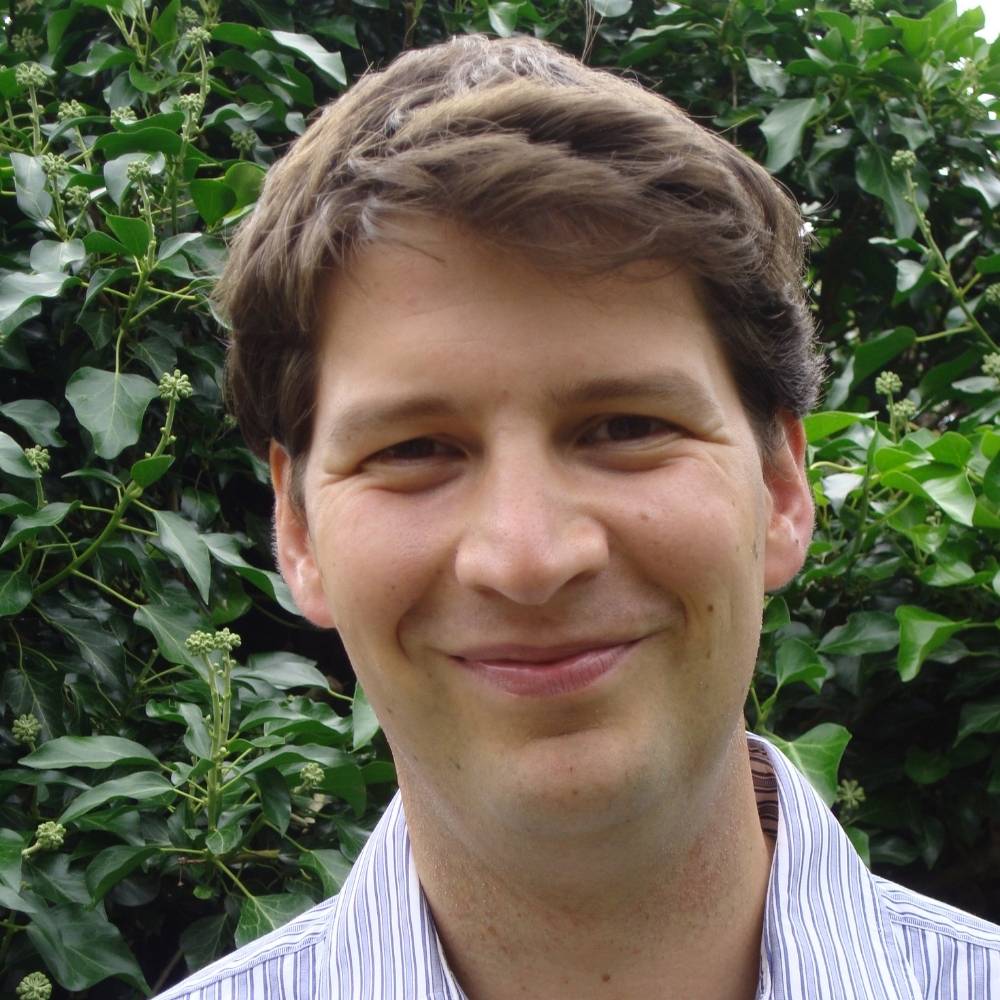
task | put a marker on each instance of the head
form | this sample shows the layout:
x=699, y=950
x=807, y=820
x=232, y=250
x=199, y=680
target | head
x=574, y=169
x=527, y=348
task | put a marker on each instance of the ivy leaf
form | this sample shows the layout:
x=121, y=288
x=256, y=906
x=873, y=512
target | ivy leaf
x=29, y=186
x=139, y=786
x=134, y=234
x=38, y=418
x=282, y=671
x=12, y=460
x=96, y=752
x=798, y=661
x=112, y=865
x=826, y=423
x=177, y=536
x=28, y=525
x=15, y=592
x=81, y=948
x=920, y=633
x=260, y=915
x=979, y=717
x=11, y=846
x=817, y=755
x=783, y=128
x=204, y=940
x=170, y=626
x=212, y=198
x=863, y=632
x=110, y=406
x=151, y=470
x=364, y=724
x=874, y=174
x=768, y=75
x=612, y=8
x=330, y=64
x=18, y=290
x=330, y=865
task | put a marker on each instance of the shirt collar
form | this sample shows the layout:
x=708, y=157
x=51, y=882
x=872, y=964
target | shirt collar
x=825, y=933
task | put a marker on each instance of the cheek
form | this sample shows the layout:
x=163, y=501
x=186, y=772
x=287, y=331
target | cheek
x=380, y=555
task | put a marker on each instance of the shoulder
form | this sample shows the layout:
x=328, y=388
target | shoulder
x=291, y=963
x=950, y=952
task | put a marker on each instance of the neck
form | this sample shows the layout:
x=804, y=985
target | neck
x=667, y=908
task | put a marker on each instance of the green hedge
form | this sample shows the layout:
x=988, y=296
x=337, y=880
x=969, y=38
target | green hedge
x=181, y=765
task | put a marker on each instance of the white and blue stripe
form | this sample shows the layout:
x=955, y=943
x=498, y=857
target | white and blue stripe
x=832, y=930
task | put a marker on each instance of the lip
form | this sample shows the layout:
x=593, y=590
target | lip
x=532, y=671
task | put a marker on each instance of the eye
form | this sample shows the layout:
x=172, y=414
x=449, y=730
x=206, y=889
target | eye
x=420, y=449
x=625, y=428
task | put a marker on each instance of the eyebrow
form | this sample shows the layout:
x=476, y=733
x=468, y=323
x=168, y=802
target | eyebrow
x=672, y=386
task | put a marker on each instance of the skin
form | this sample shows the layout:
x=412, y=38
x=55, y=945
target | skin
x=504, y=456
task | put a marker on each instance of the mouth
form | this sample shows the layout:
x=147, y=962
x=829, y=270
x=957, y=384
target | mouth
x=532, y=671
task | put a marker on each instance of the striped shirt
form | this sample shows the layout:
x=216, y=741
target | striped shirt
x=832, y=930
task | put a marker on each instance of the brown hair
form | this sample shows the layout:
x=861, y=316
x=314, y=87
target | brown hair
x=580, y=170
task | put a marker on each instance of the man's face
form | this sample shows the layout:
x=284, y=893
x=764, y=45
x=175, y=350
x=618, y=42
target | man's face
x=535, y=510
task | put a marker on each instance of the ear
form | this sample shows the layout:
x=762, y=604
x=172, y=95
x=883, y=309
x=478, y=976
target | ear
x=293, y=546
x=791, y=522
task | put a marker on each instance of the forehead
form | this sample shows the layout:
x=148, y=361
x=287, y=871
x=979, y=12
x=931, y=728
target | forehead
x=436, y=311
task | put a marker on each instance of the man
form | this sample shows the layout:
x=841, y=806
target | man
x=527, y=350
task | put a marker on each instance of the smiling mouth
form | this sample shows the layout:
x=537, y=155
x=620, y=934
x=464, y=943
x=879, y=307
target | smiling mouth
x=536, y=672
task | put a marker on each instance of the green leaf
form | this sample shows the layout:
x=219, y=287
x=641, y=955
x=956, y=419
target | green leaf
x=151, y=470
x=244, y=180
x=985, y=183
x=924, y=767
x=863, y=632
x=768, y=75
x=138, y=787
x=783, y=128
x=226, y=550
x=81, y=948
x=50, y=256
x=110, y=406
x=798, y=661
x=139, y=140
x=18, y=290
x=177, y=536
x=914, y=32
x=28, y=525
x=11, y=846
x=330, y=64
x=225, y=840
x=920, y=633
x=12, y=460
x=116, y=172
x=874, y=174
x=134, y=234
x=817, y=755
x=364, y=724
x=212, y=198
x=950, y=491
x=275, y=799
x=825, y=423
x=952, y=448
x=204, y=940
x=96, y=752
x=283, y=671
x=112, y=865
x=979, y=717
x=99, y=648
x=39, y=418
x=859, y=839
x=260, y=915
x=29, y=185
x=330, y=865
x=612, y=8
x=15, y=592
x=170, y=626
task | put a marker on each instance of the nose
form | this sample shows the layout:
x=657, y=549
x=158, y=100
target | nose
x=527, y=536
